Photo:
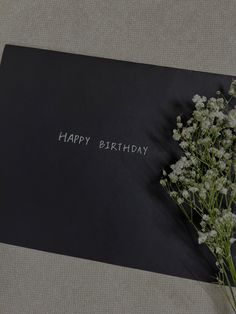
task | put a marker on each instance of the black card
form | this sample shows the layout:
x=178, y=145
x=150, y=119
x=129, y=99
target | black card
x=83, y=142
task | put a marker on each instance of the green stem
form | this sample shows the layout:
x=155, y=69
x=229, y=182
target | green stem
x=231, y=299
x=232, y=270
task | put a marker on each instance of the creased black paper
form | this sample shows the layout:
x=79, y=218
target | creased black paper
x=83, y=142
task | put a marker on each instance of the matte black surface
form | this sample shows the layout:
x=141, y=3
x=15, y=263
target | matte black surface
x=80, y=200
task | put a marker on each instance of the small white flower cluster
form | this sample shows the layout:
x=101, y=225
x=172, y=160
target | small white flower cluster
x=203, y=180
x=215, y=228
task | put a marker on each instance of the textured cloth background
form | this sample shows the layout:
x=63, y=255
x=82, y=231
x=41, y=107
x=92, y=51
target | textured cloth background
x=192, y=34
x=34, y=282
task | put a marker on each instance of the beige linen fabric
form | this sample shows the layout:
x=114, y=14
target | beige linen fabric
x=191, y=34
x=34, y=282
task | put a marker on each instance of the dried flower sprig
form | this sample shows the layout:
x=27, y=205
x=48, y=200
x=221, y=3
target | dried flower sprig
x=203, y=181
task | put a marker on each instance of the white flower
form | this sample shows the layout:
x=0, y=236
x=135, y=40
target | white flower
x=199, y=105
x=227, y=217
x=227, y=156
x=205, y=124
x=205, y=217
x=202, y=237
x=212, y=99
x=212, y=105
x=193, y=189
x=220, y=184
x=173, y=194
x=228, y=133
x=183, y=145
x=178, y=118
x=205, y=140
x=203, y=224
x=173, y=177
x=189, y=121
x=202, y=194
x=193, y=174
x=176, y=135
x=207, y=185
x=182, y=178
x=219, y=250
x=198, y=115
x=221, y=103
x=224, y=191
x=163, y=182
x=194, y=126
x=220, y=115
x=221, y=152
x=233, y=217
x=227, y=143
x=232, y=89
x=180, y=201
x=233, y=189
x=222, y=165
x=194, y=160
x=187, y=132
x=197, y=98
x=232, y=240
x=211, y=176
x=217, y=211
x=185, y=194
x=215, y=129
x=212, y=233
x=180, y=165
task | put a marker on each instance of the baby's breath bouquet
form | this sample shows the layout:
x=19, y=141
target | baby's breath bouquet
x=203, y=181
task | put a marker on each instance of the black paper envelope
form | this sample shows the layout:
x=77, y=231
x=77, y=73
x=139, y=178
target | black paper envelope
x=83, y=142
